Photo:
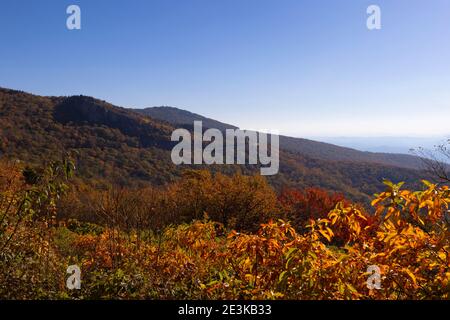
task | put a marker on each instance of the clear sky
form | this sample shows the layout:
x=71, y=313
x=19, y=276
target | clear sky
x=305, y=68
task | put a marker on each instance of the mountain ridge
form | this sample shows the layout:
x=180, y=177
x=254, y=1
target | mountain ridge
x=122, y=146
x=316, y=149
x=182, y=117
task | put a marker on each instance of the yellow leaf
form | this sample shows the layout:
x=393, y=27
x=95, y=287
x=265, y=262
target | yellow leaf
x=411, y=275
x=325, y=235
x=375, y=202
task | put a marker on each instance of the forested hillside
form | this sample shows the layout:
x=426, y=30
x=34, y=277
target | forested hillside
x=121, y=146
x=139, y=227
x=313, y=149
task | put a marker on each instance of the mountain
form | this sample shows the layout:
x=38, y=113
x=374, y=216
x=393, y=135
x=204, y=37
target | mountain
x=111, y=143
x=182, y=118
x=327, y=151
x=314, y=149
x=129, y=147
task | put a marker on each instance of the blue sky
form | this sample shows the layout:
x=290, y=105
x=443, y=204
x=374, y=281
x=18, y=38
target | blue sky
x=305, y=68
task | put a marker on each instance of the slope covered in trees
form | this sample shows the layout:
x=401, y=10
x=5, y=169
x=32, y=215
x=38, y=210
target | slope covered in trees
x=139, y=227
x=114, y=144
x=313, y=149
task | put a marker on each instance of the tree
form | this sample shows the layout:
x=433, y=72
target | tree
x=437, y=162
x=300, y=206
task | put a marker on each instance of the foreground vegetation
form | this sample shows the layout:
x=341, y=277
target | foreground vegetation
x=217, y=237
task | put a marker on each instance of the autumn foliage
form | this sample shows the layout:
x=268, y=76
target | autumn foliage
x=213, y=244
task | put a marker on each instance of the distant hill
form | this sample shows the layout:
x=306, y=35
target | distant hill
x=182, y=118
x=128, y=147
x=315, y=149
x=327, y=151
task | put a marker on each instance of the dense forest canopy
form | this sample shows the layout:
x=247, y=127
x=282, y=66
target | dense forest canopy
x=123, y=146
